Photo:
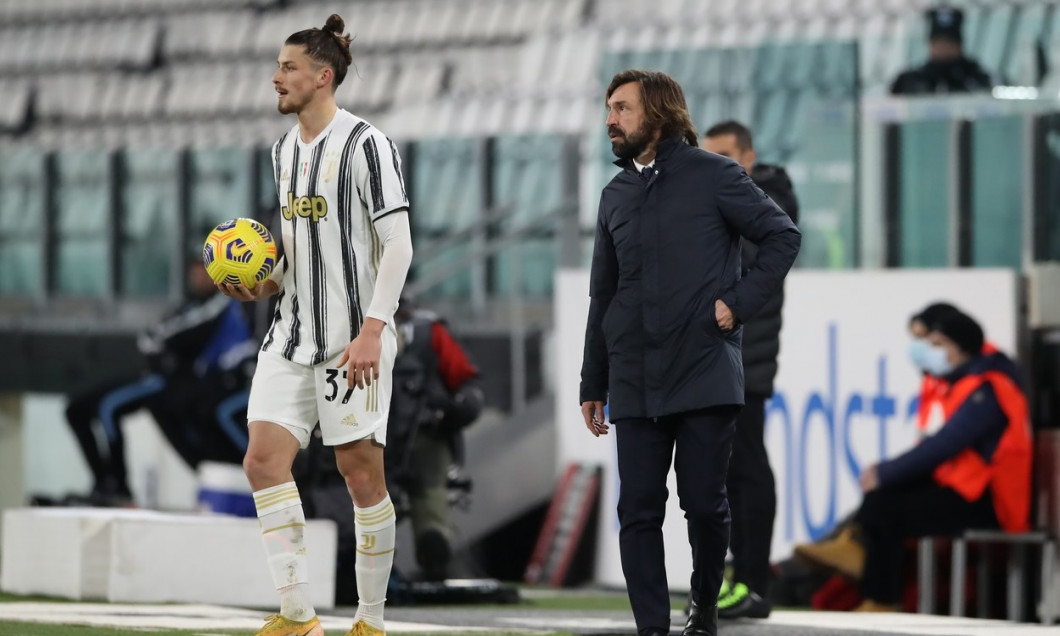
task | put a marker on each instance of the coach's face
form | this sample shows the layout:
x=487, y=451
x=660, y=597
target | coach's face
x=627, y=122
x=297, y=79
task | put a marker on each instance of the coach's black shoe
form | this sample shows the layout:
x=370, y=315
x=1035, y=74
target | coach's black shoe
x=702, y=621
x=742, y=602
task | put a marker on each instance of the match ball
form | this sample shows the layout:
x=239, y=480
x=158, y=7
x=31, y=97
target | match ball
x=240, y=251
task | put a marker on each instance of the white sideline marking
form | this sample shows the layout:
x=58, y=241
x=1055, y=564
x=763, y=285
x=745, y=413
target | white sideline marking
x=190, y=617
x=900, y=623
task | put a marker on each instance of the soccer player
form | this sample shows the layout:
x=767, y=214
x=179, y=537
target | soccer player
x=329, y=353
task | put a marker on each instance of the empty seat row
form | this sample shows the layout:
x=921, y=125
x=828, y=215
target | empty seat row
x=15, y=105
x=490, y=115
x=248, y=132
x=52, y=11
x=402, y=24
x=626, y=12
x=206, y=90
x=96, y=97
x=120, y=43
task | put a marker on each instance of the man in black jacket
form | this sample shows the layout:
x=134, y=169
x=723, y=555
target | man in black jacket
x=663, y=338
x=750, y=485
x=948, y=69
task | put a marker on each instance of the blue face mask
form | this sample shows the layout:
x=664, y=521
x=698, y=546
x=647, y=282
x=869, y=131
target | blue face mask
x=917, y=348
x=935, y=362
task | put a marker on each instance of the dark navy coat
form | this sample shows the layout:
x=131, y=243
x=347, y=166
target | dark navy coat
x=666, y=249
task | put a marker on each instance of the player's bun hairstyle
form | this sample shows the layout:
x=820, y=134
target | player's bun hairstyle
x=328, y=46
x=664, y=103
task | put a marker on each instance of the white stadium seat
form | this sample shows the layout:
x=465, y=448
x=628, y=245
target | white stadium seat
x=15, y=105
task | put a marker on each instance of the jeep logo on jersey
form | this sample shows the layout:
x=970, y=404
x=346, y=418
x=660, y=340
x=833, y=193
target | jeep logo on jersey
x=313, y=208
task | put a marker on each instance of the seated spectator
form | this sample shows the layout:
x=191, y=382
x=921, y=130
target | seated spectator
x=975, y=472
x=932, y=389
x=947, y=70
x=196, y=358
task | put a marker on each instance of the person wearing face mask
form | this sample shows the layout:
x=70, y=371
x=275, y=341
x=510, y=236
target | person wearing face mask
x=975, y=472
x=931, y=387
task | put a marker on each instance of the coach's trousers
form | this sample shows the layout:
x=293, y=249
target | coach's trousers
x=698, y=443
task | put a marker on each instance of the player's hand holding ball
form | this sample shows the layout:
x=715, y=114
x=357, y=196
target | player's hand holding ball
x=258, y=292
x=240, y=255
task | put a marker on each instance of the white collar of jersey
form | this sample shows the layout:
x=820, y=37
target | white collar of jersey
x=323, y=133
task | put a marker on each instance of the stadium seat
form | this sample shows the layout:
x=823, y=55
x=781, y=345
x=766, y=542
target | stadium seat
x=270, y=32
x=418, y=82
x=15, y=106
x=434, y=24
x=561, y=15
x=387, y=29
x=144, y=98
x=56, y=95
x=993, y=41
x=838, y=72
x=1050, y=86
x=1021, y=64
x=379, y=78
x=576, y=52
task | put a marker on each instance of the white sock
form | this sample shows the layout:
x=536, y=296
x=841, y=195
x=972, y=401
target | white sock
x=282, y=531
x=375, y=556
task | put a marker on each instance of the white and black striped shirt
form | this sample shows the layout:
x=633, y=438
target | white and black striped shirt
x=331, y=192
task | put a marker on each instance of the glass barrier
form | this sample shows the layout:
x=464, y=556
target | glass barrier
x=82, y=225
x=823, y=171
x=267, y=206
x=925, y=198
x=997, y=192
x=445, y=196
x=220, y=182
x=935, y=166
x=150, y=206
x=800, y=101
x=1047, y=236
x=527, y=175
x=22, y=222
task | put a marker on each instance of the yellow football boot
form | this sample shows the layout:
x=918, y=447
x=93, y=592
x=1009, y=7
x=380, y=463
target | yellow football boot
x=277, y=625
x=361, y=628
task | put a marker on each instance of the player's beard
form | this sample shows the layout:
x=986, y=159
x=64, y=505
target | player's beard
x=287, y=105
x=632, y=145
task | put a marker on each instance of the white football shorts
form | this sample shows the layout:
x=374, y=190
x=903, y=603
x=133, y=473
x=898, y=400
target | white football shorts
x=297, y=397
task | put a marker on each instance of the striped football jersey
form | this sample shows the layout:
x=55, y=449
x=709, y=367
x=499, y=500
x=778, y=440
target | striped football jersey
x=331, y=191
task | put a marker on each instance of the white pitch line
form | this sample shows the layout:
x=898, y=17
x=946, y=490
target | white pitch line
x=189, y=617
x=912, y=624
x=915, y=624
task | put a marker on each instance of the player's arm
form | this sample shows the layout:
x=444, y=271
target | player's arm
x=377, y=174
